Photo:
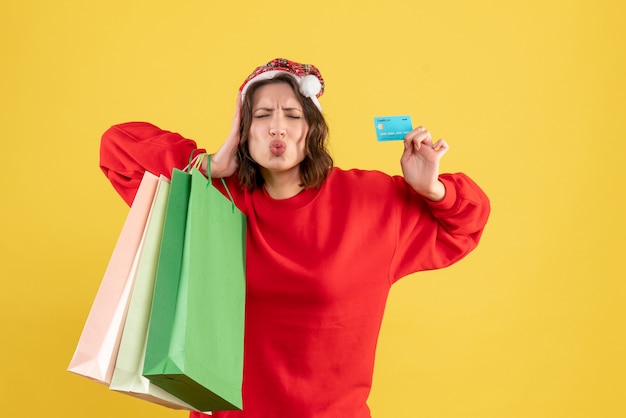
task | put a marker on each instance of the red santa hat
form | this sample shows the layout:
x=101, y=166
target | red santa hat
x=308, y=77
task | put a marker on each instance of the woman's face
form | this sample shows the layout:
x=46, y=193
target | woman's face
x=278, y=131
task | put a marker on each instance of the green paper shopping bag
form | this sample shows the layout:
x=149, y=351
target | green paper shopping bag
x=127, y=375
x=195, y=336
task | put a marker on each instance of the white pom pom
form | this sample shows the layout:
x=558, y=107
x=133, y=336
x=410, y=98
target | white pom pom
x=310, y=86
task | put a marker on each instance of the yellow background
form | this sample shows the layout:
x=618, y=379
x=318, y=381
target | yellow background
x=530, y=96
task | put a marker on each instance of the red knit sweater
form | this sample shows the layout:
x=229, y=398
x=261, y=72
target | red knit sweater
x=319, y=269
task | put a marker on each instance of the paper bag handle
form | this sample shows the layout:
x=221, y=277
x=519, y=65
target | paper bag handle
x=196, y=162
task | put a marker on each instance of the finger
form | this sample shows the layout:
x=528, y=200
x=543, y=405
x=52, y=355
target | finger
x=408, y=149
x=418, y=129
x=421, y=137
x=237, y=115
x=418, y=136
x=239, y=102
x=414, y=132
x=441, y=147
x=441, y=143
x=410, y=142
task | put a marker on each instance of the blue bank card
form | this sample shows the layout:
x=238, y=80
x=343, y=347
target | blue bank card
x=392, y=128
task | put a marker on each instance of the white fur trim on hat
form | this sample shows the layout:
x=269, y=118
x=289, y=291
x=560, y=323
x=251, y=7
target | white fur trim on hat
x=310, y=85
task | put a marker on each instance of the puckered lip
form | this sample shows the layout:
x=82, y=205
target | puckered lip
x=277, y=146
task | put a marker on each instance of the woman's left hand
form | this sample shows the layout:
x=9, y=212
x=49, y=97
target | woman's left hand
x=420, y=163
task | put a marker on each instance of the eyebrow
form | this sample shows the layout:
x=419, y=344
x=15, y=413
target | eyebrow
x=270, y=109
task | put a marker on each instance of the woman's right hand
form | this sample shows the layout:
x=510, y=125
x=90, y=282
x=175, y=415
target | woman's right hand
x=224, y=161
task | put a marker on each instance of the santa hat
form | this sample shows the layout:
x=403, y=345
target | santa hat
x=308, y=77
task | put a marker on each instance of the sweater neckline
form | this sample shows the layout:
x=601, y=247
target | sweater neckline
x=300, y=200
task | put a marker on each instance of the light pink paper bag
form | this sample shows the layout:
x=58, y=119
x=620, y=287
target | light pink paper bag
x=127, y=376
x=99, y=342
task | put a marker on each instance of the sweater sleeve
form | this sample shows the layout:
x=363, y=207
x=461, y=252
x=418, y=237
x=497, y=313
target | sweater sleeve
x=129, y=149
x=434, y=235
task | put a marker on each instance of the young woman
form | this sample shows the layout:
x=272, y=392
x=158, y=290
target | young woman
x=324, y=245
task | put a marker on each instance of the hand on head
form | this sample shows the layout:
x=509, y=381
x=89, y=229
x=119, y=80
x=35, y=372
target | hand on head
x=224, y=161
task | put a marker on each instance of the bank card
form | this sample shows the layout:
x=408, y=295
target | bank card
x=392, y=128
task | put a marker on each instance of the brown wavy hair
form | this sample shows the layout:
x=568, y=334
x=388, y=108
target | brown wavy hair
x=317, y=161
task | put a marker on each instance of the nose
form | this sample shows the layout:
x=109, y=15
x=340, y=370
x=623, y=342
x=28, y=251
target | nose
x=277, y=128
x=277, y=131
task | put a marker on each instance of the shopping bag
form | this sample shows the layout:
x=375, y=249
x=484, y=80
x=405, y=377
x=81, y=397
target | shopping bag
x=195, y=336
x=127, y=377
x=98, y=344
